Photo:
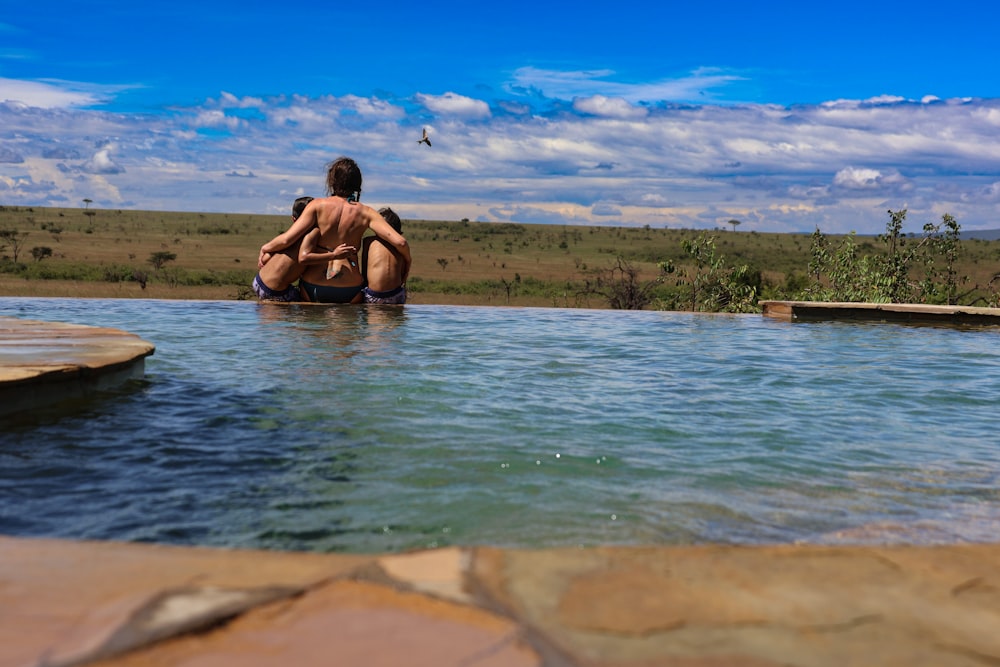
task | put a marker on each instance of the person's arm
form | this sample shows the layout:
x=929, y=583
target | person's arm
x=384, y=231
x=310, y=252
x=289, y=236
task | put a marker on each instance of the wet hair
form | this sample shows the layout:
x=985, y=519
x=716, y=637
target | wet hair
x=343, y=178
x=299, y=206
x=390, y=216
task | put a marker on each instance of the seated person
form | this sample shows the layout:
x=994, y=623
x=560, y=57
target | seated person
x=341, y=221
x=384, y=268
x=277, y=272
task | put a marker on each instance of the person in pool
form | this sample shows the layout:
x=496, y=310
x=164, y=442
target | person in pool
x=341, y=220
x=278, y=271
x=385, y=270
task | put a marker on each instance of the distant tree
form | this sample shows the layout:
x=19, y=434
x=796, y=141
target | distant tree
x=159, y=258
x=735, y=223
x=621, y=286
x=443, y=262
x=41, y=252
x=13, y=239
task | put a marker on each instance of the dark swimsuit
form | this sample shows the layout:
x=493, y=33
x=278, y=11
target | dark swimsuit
x=330, y=293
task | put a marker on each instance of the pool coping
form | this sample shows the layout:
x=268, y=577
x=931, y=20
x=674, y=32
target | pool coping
x=916, y=313
x=45, y=363
x=66, y=603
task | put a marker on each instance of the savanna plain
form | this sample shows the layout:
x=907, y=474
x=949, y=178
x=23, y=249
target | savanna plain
x=114, y=253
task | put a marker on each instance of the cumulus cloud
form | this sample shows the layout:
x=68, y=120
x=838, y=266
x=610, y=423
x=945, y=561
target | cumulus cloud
x=101, y=162
x=853, y=178
x=213, y=118
x=609, y=107
x=602, y=158
x=605, y=210
x=453, y=104
x=230, y=101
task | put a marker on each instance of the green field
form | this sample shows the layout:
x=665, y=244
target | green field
x=107, y=254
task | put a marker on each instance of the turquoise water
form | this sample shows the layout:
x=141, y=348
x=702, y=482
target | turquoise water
x=384, y=429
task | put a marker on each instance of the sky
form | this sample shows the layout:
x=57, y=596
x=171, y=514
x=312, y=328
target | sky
x=784, y=116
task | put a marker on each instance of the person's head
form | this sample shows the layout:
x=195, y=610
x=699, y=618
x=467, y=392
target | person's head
x=343, y=178
x=299, y=206
x=390, y=216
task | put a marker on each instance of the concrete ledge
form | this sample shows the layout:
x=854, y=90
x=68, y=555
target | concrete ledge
x=814, y=311
x=42, y=363
x=97, y=603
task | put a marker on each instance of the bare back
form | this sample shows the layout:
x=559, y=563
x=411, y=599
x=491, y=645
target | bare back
x=385, y=269
x=339, y=222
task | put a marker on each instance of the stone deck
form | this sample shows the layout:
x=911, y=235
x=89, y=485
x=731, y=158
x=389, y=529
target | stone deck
x=813, y=311
x=114, y=604
x=43, y=363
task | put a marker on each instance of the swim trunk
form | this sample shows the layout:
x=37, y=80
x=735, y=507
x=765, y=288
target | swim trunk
x=329, y=293
x=397, y=295
x=265, y=293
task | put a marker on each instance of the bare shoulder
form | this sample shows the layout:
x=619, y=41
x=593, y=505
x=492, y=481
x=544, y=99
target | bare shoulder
x=368, y=213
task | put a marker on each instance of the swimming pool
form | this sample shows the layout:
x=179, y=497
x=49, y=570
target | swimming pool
x=384, y=429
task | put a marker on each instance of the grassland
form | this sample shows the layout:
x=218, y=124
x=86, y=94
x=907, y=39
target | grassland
x=101, y=253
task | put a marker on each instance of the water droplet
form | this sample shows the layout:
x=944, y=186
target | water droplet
x=558, y=455
x=538, y=463
x=614, y=517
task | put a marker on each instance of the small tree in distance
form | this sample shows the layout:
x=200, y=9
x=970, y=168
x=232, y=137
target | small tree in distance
x=14, y=240
x=158, y=259
x=735, y=223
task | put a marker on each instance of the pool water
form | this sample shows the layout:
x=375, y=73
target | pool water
x=383, y=429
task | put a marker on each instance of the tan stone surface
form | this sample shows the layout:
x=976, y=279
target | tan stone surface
x=64, y=603
x=34, y=346
x=351, y=623
x=42, y=363
x=889, y=312
x=802, y=605
x=64, y=600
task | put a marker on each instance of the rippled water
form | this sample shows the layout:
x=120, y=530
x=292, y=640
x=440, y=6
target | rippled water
x=364, y=429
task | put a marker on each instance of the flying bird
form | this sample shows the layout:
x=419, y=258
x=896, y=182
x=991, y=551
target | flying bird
x=425, y=140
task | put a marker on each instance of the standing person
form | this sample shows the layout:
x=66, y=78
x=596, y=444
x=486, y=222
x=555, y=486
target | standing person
x=384, y=268
x=341, y=220
x=278, y=271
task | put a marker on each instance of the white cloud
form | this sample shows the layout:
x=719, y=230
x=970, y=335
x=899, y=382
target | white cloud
x=853, y=178
x=859, y=179
x=453, y=104
x=836, y=165
x=609, y=107
x=213, y=118
x=566, y=85
x=230, y=101
x=45, y=95
x=101, y=162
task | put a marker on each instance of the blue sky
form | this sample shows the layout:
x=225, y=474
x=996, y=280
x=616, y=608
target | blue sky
x=786, y=116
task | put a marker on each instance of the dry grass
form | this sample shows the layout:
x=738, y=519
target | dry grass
x=454, y=262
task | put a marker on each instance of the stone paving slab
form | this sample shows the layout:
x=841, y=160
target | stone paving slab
x=42, y=363
x=118, y=604
x=914, y=313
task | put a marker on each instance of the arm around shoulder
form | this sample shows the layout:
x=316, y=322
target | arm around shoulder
x=384, y=231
